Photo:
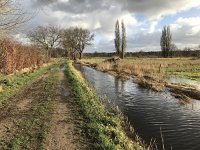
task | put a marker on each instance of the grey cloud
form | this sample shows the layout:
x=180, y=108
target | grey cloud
x=39, y=3
x=75, y=6
x=149, y=8
x=181, y=36
x=100, y=17
x=80, y=6
x=144, y=41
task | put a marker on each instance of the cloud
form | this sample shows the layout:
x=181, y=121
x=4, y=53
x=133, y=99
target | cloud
x=192, y=23
x=153, y=26
x=186, y=31
x=154, y=9
x=100, y=18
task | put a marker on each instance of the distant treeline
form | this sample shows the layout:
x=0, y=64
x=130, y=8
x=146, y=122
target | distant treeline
x=178, y=53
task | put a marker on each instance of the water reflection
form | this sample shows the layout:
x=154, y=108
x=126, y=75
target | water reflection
x=149, y=111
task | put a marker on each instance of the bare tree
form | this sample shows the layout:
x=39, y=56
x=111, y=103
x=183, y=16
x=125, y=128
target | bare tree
x=76, y=39
x=11, y=16
x=123, y=49
x=69, y=43
x=45, y=37
x=84, y=38
x=117, y=39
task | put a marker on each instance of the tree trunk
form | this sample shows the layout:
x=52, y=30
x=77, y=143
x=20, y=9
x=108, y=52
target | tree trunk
x=49, y=54
x=74, y=56
x=122, y=52
x=80, y=55
x=122, y=55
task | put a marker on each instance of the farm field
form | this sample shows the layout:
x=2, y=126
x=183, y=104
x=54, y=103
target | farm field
x=157, y=68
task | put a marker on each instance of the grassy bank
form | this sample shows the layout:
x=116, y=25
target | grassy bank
x=156, y=68
x=33, y=130
x=103, y=128
x=15, y=83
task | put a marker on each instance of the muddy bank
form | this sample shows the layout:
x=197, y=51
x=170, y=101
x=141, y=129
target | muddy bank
x=183, y=92
x=113, y=72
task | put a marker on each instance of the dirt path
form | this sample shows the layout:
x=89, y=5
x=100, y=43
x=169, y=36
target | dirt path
x=62, y=134
x=43, y=116
x=15, y=110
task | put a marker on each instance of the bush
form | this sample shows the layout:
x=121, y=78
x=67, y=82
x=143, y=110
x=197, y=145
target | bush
x=15, y=56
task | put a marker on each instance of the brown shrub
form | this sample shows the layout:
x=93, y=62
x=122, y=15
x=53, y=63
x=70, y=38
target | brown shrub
x=15, y=56
x=104, y=67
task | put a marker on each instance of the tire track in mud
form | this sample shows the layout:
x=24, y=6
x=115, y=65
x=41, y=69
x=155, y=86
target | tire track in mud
x=59, y=128
x=62, y=134
x=16, y=110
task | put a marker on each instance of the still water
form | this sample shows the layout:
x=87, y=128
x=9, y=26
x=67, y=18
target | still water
x=195, y=84
x=149, y=111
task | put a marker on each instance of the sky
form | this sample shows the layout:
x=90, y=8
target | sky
x=144, y=20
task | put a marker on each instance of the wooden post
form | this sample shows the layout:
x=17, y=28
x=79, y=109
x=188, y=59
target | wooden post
x=160, y=68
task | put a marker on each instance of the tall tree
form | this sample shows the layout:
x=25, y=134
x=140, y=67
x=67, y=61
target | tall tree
x=120, y=40
x=117, y=39
x=45, y=37
x=166, y=41
x=123, y=49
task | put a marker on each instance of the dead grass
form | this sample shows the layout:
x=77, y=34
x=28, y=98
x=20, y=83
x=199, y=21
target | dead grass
x=183, y=99
x=104, y=66
x=151, y=72
x=1, y=88
x=182, y=90
x=156, y=68
x=151, y=84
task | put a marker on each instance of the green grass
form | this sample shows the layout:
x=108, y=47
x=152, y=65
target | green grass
x=102, y=127
x=34, y=129
x=18, y=82
x=188, y=71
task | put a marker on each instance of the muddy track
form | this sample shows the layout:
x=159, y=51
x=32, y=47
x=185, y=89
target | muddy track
x=16, y=110
x=62, y=130
x=62, y=135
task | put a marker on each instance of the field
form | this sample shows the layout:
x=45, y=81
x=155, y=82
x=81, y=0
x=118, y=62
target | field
x=157, y=68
